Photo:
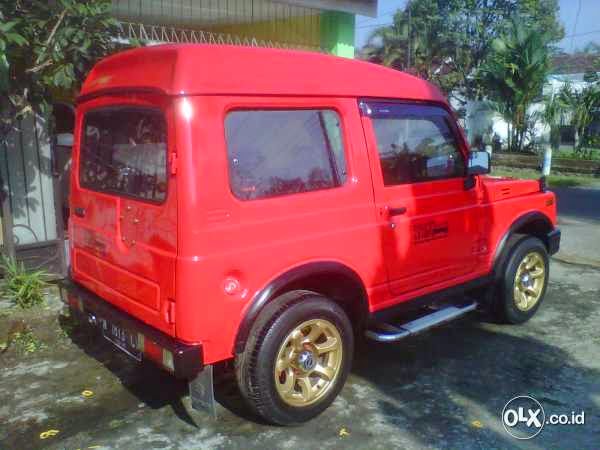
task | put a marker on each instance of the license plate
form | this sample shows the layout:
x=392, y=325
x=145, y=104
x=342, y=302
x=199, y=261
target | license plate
x=121, y=338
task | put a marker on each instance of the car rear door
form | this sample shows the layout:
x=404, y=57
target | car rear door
x=429, y=221
x=123, y=203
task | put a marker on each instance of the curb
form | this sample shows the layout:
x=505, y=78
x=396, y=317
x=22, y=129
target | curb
x=574, y=261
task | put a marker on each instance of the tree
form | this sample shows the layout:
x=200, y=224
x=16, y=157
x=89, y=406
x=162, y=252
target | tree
x=426, y=52
x=514, y=73
x=581, y=106
x=446, y=41
x=47, y=47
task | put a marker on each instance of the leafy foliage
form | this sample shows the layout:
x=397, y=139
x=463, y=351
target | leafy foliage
x=446, y=41
x=25, y=289
x=27, y=342
x=582, y=104
x=514, y=73
x=47, y=47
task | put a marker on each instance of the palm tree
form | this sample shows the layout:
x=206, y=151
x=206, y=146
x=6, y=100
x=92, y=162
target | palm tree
x=388, y=45
x=418, y=45
x=582, y=105
x=514, y=74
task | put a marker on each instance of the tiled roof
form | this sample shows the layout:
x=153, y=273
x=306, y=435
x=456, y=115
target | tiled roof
x=575, y=63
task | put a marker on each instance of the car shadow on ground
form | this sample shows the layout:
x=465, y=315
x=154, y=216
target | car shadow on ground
x=154, y=387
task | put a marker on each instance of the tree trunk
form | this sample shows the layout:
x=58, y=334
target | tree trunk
x=547, y=161
x=521, y=137
x=8, y=240
x=6, y=222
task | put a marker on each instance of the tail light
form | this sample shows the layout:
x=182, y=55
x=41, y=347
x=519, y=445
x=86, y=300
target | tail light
x=156, y=353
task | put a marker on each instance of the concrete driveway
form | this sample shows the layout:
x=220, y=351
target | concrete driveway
x=444, y=389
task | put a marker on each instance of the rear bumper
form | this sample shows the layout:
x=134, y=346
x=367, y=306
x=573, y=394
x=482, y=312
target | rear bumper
x=93, y=311
x=553, y=241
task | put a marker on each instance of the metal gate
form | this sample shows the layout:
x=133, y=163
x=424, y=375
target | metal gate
x=32, y=205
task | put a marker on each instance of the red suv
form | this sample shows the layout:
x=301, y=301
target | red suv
x=268, y=207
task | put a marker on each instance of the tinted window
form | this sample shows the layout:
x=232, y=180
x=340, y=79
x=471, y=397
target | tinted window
x=124, y=151
x=279, y=152
x=415, y=143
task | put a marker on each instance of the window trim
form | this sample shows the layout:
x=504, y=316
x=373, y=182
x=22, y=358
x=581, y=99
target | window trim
x=452, y=126
x=116, y=107
x=288, y=108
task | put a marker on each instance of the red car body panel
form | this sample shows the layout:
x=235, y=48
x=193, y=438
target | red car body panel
x=230, y=70
x=191, y=266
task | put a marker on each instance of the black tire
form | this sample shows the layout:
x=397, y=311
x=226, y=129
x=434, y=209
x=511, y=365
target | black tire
x=255, y=367
x=503, y=302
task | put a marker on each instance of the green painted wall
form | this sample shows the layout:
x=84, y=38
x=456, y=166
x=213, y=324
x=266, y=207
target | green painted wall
x=337, y=33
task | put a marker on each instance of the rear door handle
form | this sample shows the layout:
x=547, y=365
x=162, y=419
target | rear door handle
x=397, y=211
x=79, y=211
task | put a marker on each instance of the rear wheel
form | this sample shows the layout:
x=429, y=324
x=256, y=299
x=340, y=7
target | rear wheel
x=522, y=287
x=297, y=358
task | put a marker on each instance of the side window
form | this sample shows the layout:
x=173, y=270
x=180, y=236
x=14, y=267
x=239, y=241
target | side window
x=124, y=152
x=280, y=152
x=415, y=143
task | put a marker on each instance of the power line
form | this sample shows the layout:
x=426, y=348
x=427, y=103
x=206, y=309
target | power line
x=575, y=25
x=379, y=16
x=582, y=34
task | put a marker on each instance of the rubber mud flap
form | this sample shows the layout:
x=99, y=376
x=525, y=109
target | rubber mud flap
x=202, y=392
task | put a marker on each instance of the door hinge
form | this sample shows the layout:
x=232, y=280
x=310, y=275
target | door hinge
x=169, y=311
x=173, y=163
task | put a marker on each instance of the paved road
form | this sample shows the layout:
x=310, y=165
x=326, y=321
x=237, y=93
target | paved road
x=579, y=219
x=443, y=390
x=581, y=203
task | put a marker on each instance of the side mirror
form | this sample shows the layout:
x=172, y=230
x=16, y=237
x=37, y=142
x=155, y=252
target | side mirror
x=479, y=163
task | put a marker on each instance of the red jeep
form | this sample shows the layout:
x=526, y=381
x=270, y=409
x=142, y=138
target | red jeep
x=268, y=207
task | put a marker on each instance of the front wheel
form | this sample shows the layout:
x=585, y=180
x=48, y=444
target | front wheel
x=522, y=287
x=297, y=358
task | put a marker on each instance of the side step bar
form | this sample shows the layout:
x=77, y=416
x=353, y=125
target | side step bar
x=392, y=333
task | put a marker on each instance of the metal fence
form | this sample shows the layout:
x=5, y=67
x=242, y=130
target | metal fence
x=29, y=182
x=156, y=34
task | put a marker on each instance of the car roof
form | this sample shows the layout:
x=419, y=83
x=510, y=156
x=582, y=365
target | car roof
x=196, y=69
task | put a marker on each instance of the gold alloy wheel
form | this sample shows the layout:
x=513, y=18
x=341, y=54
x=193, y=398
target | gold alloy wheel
x=529, y=281
x=308, y=362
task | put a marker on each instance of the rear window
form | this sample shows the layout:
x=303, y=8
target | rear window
x=281, y=152
x=124, y=152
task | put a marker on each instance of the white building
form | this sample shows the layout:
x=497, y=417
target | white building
x=567, y=69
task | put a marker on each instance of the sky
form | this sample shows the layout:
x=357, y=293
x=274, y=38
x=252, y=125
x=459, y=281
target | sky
x=581, y=25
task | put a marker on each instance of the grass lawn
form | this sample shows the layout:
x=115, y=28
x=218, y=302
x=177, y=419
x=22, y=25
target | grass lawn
x=554, y=180
x=567, y=151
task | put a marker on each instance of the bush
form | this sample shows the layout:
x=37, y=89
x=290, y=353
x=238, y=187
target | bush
x=25, y=289
x=27, y=342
